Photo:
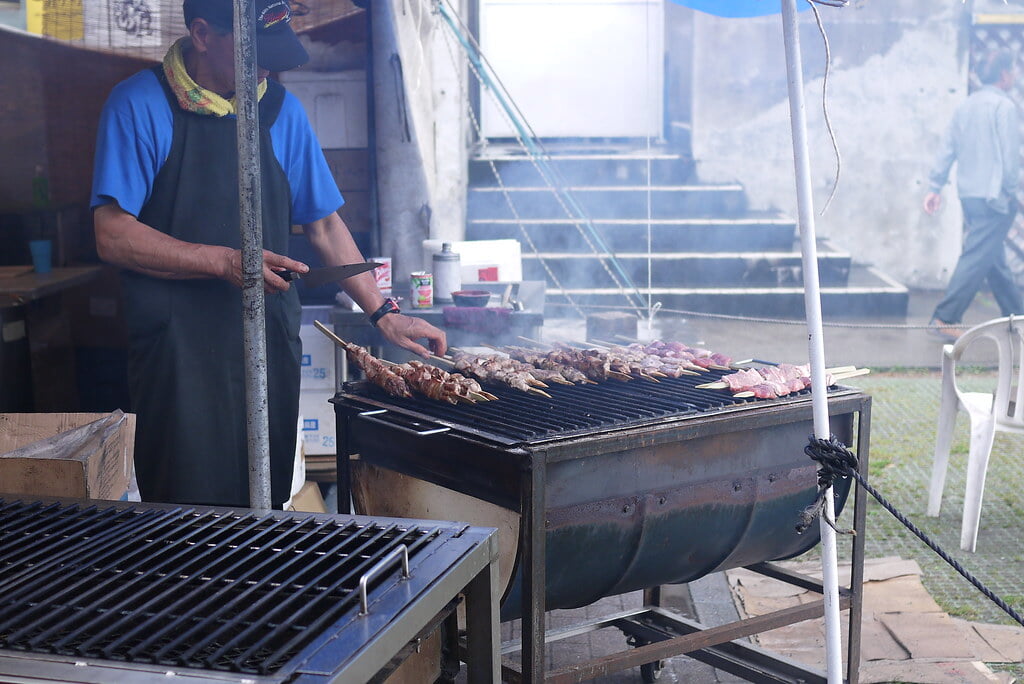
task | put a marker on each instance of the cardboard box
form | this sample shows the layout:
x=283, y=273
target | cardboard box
x=317, y=363
x=318, y=427
x=77, y=455
x=309, y=499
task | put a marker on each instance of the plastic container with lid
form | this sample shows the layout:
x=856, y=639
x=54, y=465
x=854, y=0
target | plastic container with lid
x=447, y=273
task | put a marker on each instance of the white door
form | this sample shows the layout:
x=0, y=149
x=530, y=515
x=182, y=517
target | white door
x=575, y=68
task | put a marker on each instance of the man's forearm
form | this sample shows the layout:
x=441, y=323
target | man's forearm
x=124, y=241
x=333, y=242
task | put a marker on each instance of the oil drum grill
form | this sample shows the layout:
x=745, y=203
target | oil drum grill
x=103, y=592
x=671, y=482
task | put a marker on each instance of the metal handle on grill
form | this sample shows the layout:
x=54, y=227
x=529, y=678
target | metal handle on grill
x=369, y=415
x=403, y=552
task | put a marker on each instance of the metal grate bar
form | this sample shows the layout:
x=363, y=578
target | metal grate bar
x=77, y=556
x=232, y=613
x=572, y=410
x=203, y=590
x=151, y=574
x=306, y=609
x=211, y=590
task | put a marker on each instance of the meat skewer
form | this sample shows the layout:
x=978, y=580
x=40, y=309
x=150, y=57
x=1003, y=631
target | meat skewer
x=496, y=370
x=373, y=368
x=540, y=376
x=591, y=366
x=540, y=362
x=395, y=379
x=434, y=382
x=652, y=364
x=775, y=381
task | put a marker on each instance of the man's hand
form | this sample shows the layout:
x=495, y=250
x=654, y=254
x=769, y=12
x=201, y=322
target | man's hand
x=932, y=203
x=273, y=263
x=403, y=331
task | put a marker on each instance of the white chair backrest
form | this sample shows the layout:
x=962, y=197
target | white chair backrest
x=1008, y=335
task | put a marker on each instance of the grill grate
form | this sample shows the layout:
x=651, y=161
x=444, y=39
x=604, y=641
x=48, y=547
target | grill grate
x=572, y=410
x=211, y=589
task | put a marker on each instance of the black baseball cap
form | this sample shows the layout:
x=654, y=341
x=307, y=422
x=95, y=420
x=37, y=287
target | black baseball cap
x=277, y=46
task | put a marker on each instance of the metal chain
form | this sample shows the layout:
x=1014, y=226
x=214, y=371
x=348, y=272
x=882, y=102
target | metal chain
x=577, y=217
x=497, y=177
x=785, y=321
x=836, y=459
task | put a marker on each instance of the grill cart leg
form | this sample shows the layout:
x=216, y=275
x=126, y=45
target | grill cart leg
x=534, y=586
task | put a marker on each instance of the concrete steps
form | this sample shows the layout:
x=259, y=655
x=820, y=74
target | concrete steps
x=691, y=245
x=867, y=293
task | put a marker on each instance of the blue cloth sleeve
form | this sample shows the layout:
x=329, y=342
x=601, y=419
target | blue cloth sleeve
x=132, y=142
x=314, y=191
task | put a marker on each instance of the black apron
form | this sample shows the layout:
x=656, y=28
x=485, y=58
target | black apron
x=186, y=363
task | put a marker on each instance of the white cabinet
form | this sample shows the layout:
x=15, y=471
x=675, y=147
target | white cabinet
x=335, y=102
x=576, y=68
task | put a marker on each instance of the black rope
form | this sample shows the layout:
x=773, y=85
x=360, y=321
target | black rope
x=837, y=461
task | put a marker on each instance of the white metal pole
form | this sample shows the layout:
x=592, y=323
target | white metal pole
x=815, y=342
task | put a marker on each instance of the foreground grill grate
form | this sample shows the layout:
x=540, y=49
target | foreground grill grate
x=572, y=410
x=214, y=589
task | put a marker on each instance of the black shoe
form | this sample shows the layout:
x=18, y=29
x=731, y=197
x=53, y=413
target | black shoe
x=943, y=331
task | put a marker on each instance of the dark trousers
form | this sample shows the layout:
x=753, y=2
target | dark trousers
x=982, y=258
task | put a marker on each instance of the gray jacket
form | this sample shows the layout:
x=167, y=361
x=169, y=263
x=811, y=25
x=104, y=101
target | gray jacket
x=984, y=140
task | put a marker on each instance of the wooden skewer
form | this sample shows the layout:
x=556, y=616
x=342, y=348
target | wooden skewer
x=712, y=385
x=330, y=333
x=489, y=396
x=649, y=378
x=533, y=390
x=480, y=396
x=535, y=343
x=535, y=382
x=743, y=395
x=619, y=376
x=851, y=374
x=559, y=380
x=443, y=360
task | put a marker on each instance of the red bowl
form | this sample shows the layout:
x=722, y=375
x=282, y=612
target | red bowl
x=471, y=297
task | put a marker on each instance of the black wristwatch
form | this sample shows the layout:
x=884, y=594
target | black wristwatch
x=389, y=306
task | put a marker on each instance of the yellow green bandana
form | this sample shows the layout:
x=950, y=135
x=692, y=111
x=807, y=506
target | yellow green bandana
x=191, y=96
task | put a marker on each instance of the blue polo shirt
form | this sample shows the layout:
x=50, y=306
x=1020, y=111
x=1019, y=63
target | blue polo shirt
x=134, y=139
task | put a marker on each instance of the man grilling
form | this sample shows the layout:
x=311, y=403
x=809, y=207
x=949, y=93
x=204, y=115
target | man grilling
x=165, y=207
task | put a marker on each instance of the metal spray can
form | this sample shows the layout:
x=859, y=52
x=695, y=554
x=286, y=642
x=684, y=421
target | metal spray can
x=422, y=286
x=447, y=273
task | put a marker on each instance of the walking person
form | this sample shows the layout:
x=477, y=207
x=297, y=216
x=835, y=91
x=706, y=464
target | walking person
x=983, y=140
x=166, y=210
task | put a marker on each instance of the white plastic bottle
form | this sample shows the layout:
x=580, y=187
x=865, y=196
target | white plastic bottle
x=447, y=273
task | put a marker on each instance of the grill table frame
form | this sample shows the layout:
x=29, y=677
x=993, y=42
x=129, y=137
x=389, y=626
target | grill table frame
x=462, y=559
x=515, y=477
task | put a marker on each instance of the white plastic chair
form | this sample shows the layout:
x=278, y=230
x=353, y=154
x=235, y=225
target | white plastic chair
x=987, y=412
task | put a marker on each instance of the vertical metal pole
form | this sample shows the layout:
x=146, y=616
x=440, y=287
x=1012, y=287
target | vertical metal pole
x=533, y=499
x=251, y=226
x=816, y=347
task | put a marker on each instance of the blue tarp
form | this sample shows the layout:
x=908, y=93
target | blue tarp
x=739, y=8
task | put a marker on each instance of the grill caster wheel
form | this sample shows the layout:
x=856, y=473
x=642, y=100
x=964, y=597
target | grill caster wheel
x=650, y=672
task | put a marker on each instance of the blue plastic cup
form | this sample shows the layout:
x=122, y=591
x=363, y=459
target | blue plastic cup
x=42, y=255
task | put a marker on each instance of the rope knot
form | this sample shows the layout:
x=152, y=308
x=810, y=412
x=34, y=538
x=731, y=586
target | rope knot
x=834, y=460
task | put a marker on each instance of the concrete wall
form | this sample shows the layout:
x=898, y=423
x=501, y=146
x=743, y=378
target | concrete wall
x=899, y=68
x=420, y=123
